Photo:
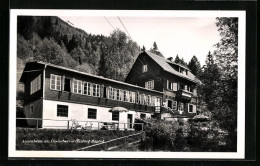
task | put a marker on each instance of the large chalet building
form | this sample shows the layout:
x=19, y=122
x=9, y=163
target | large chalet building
x=155, y=87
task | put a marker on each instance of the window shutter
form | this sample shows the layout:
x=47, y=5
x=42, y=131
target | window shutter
x=108, y=92
x=72, y=85
x=168, y=84
x=152, y=84
x=133, y=98
x=194, y=109
x=91, y=89
x=101, y=91
x=146, y=85
x=175, y=86
x=171, y=86
x=121, y=95
x=153, y=101
x=195, y=92
x=137, y=96
x=63, y=83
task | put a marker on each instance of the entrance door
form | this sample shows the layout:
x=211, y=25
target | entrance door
x=129, y=121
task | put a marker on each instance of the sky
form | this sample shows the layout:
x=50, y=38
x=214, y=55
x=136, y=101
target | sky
x=185, y=36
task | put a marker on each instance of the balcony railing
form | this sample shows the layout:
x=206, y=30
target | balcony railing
x=184, y=95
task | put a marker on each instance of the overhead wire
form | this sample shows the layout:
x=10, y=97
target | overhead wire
x=124, y=26
x=110, y=23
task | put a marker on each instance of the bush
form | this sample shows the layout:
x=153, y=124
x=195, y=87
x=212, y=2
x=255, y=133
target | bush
x=160, y=136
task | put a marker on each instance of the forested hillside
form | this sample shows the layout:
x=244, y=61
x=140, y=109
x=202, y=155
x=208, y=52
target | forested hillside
x=52, y=40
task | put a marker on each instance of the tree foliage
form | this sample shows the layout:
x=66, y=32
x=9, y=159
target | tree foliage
x=49, y=51
x=155, y=50
x=227, y=48
x=117, y=56
x=194, y=66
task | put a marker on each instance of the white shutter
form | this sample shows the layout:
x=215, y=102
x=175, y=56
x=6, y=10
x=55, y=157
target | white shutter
x=194, y=109
x=152, y=84
x=146, y=85
x=63, y=83
x=175, y=86
x=72, y=85
x=108, y=92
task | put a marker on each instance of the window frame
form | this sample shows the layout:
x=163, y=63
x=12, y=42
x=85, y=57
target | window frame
x=78, y=86
x=145, y=68
x=35, y=84
x=92, y=116
x=62, y=109
x=55, y=82
x=115, y=114
x=96, y=91
x=88, y=87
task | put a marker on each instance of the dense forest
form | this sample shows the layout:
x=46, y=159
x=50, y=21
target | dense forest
x=52, y=40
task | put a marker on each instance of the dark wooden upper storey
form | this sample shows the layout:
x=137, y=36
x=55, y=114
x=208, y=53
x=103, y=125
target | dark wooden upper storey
x=165, y=76
x=52, y=82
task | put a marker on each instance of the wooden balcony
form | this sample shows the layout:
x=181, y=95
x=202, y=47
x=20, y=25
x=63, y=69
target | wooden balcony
x=184, y=95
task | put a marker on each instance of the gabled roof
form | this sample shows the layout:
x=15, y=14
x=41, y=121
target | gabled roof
x=164, y=63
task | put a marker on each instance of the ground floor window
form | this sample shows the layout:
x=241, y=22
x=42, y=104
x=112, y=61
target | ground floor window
x=143, y=116
x=115, y=116
x=62, y=110
x=180, y=107
x=170, y=104
x=92, y=113
x=31, y=110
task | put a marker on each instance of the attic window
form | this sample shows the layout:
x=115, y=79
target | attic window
x=145, y=69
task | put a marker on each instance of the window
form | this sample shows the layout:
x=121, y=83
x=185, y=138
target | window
x=171, y=85
x=55, y=82
x=145, y=69
x=115, y=116
x=137, y=97
x=143, y=116
x=190, y=108
x=96, y=90
x=77, y=86
x=35, y=84
x=170, y=104
x=112, y=93
x=180, y=107
x=181, y=86
x=157, y=104
x=86, y=88
x=118, y=94
x=31, y=110
x=144, y=99
x=149, y=84
x=62, y=110
x=148, y=100
x=125, y=95
x=132, y=97
x=66, y=85
x=92, y=113
x=174, y=105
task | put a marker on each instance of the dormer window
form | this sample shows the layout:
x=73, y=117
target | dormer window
x=145, y=69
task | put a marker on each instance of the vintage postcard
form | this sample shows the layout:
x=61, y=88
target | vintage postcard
x=127, y=84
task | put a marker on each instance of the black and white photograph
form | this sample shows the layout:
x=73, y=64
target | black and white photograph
x=161, y=84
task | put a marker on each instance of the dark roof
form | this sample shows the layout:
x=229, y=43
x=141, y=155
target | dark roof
x=91, y=75
x=164, y=63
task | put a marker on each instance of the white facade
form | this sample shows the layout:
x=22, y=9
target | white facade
x=80, y=113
